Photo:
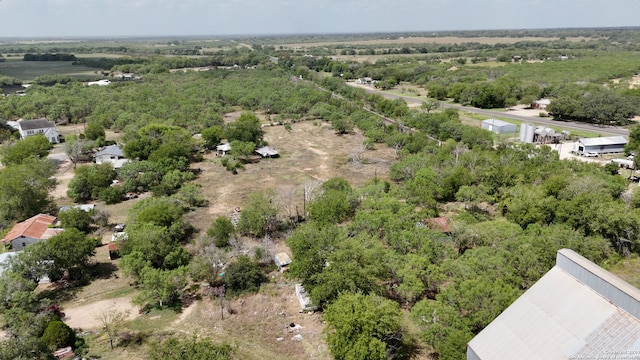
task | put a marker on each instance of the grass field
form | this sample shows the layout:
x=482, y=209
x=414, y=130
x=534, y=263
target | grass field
x=29, y=70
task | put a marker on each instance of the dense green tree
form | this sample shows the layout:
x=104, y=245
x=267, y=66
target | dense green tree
x=190, y=196
x=134, y=262
x=29, y=263
x=246, y=128
x=24, y=348
x=213, y=136
x=335, y=204
x=443, y=329
x=36, y=146
x=152, y=243
x=424, y=189
x=242, y=149
x=163, y=287
x=364, y=327
x=70, y=251
x=89, y=181
x=355, y=265
x=162, y=212
x=633, y=146
x=258, y=217
x=243, y=276
x=481, y=299
x=419, y=278
x=526, y=204
x=17, y=291
x=24, y=189
x=76, y=218
x=190, y=349
x=95, y=132
x=221, y=230
x=563, y=108
x=57, y=334
x=342, y=125
x=310, y=244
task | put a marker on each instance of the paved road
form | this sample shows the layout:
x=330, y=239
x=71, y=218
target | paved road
x=568, y=125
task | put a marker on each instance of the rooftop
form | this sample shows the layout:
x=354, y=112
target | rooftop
x=36, y=227
x=577, y=310
x=497, y=122
x=266, y=151
x=36, y=124
x=114, y=150
x=611, y=140
x=282, y=259
x=223, y=147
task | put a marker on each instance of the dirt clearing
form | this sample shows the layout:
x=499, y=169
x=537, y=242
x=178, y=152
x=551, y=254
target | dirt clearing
x=87, y=316
x=263, y=322
x=307, y=152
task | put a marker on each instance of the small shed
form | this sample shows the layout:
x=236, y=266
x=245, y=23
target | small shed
x=304, y=299
x=282, y=260
x=223, y=149
x=499, y=126
x=83, y=207
x=267, y=152
x=600, y=145
x=117, y=238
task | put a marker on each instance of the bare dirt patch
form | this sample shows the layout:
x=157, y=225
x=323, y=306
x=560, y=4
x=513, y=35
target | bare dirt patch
x=307, y=152
x=261, y=323
x=86, y=316
x=523, y=110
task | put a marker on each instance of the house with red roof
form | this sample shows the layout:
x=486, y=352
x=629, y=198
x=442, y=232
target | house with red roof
x=30, y=231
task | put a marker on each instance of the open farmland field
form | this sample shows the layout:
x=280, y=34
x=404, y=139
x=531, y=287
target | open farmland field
x=29, y=70
x=429, y=40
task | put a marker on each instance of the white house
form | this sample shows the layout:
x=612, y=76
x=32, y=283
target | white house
x=111, y=154
x=37, y=127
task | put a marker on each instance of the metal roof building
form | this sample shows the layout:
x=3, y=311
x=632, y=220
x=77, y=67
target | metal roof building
x=600, y=145
x=499, y=126
x=576, y=311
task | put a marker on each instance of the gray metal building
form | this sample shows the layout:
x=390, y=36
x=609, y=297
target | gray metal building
x=499, y=126
x=577, y=310
x=600, y=145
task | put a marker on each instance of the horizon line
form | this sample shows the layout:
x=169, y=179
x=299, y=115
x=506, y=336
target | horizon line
x=341, y=33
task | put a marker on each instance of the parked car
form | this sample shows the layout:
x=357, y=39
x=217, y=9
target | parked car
x=591, y=154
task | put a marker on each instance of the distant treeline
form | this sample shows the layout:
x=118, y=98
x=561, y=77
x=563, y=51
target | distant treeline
x=108, y=63
x=49, y=57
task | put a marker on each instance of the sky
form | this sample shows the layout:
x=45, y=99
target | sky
x=98, y=18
